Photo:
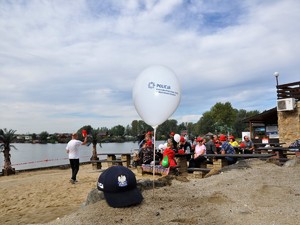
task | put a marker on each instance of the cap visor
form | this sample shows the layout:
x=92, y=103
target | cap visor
x=123, y=199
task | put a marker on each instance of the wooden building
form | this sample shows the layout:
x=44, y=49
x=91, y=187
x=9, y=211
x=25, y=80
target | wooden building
x=282, y=123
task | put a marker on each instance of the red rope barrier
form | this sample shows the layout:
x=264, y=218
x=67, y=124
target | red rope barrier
x=44, y=160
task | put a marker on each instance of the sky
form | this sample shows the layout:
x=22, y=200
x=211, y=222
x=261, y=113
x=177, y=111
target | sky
x=69, y=63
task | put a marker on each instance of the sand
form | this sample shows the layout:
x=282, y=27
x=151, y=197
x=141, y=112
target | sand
x=254, y=192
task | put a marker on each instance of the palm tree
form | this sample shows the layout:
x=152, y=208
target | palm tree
x=95, y=139
x=6, y=138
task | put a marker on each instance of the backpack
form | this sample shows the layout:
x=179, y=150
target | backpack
x=295, y=146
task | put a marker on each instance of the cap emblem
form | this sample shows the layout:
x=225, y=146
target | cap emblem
x=122, y=181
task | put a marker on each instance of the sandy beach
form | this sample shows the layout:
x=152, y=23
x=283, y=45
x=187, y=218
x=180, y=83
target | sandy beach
x=251, y=192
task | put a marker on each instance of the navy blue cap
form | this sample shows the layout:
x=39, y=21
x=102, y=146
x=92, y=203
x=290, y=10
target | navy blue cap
x=118, y=184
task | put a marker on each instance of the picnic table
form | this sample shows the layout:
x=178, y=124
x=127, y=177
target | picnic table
x=111, y=160
x=280, y=152
x=273, y=144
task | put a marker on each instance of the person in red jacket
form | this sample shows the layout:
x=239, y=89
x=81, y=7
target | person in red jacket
x=171, y=156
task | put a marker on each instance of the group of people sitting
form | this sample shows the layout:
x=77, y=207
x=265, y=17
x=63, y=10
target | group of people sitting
x=219, y=145
x=145, y=155
x=198, y=149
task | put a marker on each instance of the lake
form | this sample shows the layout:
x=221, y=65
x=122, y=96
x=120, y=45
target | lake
x=30, y=156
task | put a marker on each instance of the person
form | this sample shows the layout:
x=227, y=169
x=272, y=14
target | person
x=135, y=158
x=119, y=187
x=210, y=148
x=200, y=151
x=185, y=145
x=249, y=149
x=194, y=143
x=227, y=148
x=175, y=144
x=233, y=142
x=146, y=153
x=73, y=152
x=141, y=139
x=147, y=137
x=242, y=148
x=217, y=143
x=169, y=152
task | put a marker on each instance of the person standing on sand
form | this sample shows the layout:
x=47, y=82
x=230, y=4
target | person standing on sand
x=73, y=151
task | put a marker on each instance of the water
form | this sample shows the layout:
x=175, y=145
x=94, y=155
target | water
x=29, y=156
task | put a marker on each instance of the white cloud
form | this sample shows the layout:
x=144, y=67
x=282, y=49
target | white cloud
x=67, y=64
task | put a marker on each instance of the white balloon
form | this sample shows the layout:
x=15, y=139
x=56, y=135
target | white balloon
x=161, y=147
x=165, y=145
x=156, y=94
x=177, y=138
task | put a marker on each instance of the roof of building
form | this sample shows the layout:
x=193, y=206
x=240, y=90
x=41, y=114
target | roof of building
x=268, y=117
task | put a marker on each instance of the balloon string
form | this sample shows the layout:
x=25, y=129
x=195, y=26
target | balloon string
x=153, y=177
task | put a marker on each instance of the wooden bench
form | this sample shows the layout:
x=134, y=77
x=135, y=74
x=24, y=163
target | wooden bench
x=199, y=169
x=220, y=159
x=159, y=170
x=97, y=164
x=125, y=157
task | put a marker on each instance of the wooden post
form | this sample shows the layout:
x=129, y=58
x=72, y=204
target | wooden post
x=7, y=172
x=182, y=163
x=220, y=163
x=96, y=165
x=203, y=164
x=127, y=158
x=110, y=158
x=139, y=170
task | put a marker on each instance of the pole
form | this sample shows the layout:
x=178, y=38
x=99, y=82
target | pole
x=154, y=144
x=276, y=74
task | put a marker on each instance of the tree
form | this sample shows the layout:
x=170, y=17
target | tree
x=143, y=127
x=134, y=128
x=205, y=124
x=239, y=125
x=182, y=126
x=128, y=130
x=44, y=137
x=6, y=138
x=88, y=129
x=118, y=130
x=95, y=138
x=190, y=128
x=166, y=127
x=34, y=136
x=220, y=118
x=224, y=116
